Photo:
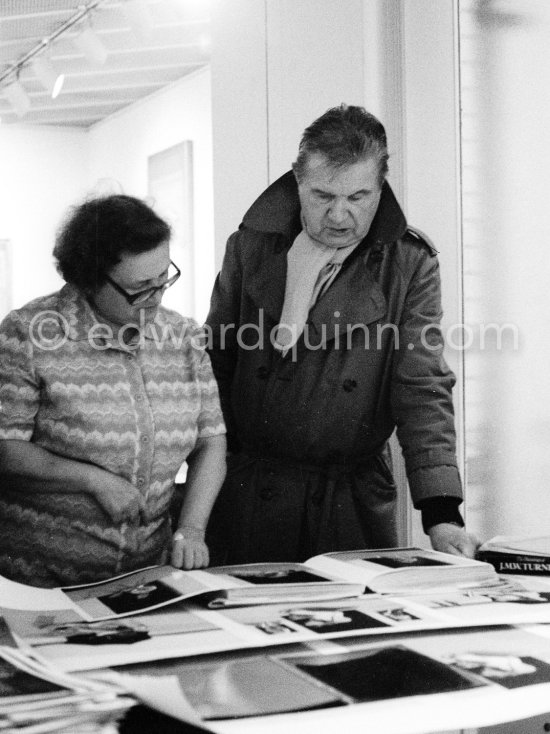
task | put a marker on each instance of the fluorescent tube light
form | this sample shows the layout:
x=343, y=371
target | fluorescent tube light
x=48, y=77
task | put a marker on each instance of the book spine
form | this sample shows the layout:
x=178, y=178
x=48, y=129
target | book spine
x=516, y=563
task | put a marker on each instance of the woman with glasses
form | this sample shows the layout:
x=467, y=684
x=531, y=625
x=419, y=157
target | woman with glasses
x=104, y=393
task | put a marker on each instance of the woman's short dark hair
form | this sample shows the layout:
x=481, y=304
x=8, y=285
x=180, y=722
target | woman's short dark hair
x=94, y=235
x=344, y=135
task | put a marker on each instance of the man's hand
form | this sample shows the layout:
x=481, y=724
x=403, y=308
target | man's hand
x=189, y=549
x=118, y=498
x=449, y=538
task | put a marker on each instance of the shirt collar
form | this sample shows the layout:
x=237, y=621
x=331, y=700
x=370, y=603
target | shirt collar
x=81, y=318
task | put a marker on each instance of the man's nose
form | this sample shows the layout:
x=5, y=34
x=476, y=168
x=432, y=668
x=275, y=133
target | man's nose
x=338, y=211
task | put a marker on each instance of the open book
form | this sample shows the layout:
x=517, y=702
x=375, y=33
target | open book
x=221, y=586
x=405, y=570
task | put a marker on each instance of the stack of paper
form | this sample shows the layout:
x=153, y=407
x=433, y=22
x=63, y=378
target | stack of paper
x=35, y=698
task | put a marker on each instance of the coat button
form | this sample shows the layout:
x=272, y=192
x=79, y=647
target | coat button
x=267, y=493
x=262, y=372
x=349, y=385
x=279, y=246
x=377, y=254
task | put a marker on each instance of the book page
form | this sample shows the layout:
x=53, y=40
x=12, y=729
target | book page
x=403, y=569
x=158, y=586
x=21, y=596
x=141, y=591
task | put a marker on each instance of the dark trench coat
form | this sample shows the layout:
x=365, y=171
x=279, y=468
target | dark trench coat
x=308, y=472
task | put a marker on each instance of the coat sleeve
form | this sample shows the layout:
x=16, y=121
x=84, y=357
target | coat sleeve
x=422, y=385
x=222, y=326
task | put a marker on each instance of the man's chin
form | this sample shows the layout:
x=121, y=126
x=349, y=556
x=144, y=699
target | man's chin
x=337, y=241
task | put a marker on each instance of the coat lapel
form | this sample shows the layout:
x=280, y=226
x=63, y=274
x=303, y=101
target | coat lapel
x=341, y=306
x=267, y=285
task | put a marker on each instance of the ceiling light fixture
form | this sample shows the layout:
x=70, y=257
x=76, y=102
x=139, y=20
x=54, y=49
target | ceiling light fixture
x=48, y=77
x=17, y=97
x=14, y=91
x=89, y=43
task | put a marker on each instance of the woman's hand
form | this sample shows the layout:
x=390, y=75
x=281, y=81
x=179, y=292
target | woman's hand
x=28, y=468
x=205, y=474
x=119, y=499
x=189, y=549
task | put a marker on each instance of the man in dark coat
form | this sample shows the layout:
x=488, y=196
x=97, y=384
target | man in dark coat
x=324, y=336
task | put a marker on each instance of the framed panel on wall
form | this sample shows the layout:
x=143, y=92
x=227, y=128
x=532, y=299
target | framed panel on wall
x=170, y=186
x=5, y=278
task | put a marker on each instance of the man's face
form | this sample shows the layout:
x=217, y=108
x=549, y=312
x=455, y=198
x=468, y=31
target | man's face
x=134, y=272
x=339, y=204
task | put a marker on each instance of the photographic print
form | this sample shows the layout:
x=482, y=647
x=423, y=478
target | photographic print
x=332, y=620
x=508, y=671
x=403, y=559
x=398, y=614
x=389, y=672
x=136, y=598
x=278, y=576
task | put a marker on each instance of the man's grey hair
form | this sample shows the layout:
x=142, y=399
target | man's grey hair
x=344, y=135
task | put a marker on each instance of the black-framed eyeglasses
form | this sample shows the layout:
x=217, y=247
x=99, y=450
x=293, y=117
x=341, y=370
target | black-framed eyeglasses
x=146, y=293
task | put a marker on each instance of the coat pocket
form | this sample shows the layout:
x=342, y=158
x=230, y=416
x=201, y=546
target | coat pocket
x=375, y=496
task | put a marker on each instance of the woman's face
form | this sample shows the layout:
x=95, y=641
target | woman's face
x=135, y=272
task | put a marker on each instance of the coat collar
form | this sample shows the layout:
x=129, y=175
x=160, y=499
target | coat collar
x=277, y=211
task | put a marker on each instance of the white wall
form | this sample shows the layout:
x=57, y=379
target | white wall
x=314, y=61
x=46, y=170
x=276, y=66
x=43, y=172
x=239, y=111
x=121, y=144
x=506, y=118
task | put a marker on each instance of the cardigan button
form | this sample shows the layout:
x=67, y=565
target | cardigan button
x=262, y=372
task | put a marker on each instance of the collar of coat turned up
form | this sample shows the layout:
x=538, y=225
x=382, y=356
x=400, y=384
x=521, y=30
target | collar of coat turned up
x=277, y=209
